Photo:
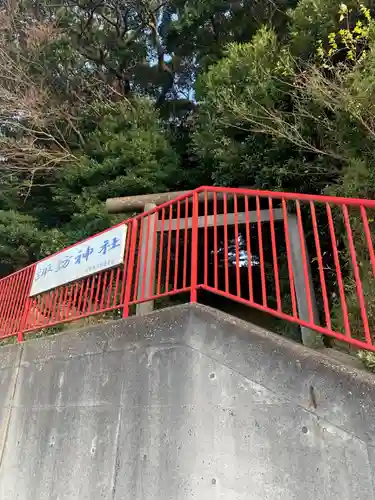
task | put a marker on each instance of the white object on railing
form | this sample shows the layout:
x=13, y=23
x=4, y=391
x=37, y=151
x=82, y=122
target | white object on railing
x=91, y=256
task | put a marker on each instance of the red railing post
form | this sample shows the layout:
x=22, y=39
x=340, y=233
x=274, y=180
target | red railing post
x=129, y=274
x=27, y=306
x=194, y=250
x=24, y=320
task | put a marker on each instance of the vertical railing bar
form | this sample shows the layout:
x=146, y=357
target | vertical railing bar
x=145, y=262
x=304, y=262
x=168, y=263
x=61, y=297
x=130, y=269
x=205, y=242
x=15, y=296
x=58, y=305
x=89, y=281
x=344, y=307
x=79, y=303
x=186, y=238
x=37, y=319
x=321, y=266
x=289, y=259
x=248, y=250
x=74, y=303
x=103, y=290
x=56, y=293
x=236, y=236
x=117, y=281
x=2, y=288
x=138, y=260
x=177, y=248
x=64, y=301
x=8, y=299
x=357, y=277
x=70, y=300
x=216, y=249
x=108, y=303
x=151, y=283
x=41, y=302
x=274, y=256
x=44, y=305
x=261, y=253
x=161, y=248
x=126, y=271
x=226, y=249
x=92, y=289
x=29, y=275
x=194, y=250
x=368, y=238
x=24, y=318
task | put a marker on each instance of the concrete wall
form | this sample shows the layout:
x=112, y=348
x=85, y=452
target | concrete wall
x=186, y=403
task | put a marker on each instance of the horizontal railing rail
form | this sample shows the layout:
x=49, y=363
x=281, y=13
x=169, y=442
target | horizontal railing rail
x=302, y=258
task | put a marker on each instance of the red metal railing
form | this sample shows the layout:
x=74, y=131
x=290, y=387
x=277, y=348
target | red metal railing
x=313, y=256
x=165, y=265
x=305, y=259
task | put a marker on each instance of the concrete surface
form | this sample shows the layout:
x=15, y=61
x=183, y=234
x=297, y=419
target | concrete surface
x=185, y=403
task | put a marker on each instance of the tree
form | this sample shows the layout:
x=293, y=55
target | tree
x=112, y=144
x=126, y=151
x=31, y=143
x=240, y=98
x=20, y=241
x=313, y=113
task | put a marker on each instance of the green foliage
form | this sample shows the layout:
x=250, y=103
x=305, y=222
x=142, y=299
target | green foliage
x=368, y=359
x=126, y=150
x=242, y=99
x=310, y=122
x=351, y=40
x=248, y=72
x=20, y=241
x=312, y=21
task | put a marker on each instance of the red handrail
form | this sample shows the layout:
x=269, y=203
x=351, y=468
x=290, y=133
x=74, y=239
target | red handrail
x=307, y=259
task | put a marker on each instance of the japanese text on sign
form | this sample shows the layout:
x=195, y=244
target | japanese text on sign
x=91, y=256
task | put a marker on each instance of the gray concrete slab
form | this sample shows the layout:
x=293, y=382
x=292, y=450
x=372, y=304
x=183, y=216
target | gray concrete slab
x=184, y=403
x=10, y=358
x=87, y=381
x=59, y=454
x=341, y=394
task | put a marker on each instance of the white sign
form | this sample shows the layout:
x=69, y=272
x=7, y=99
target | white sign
x=89, y=257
